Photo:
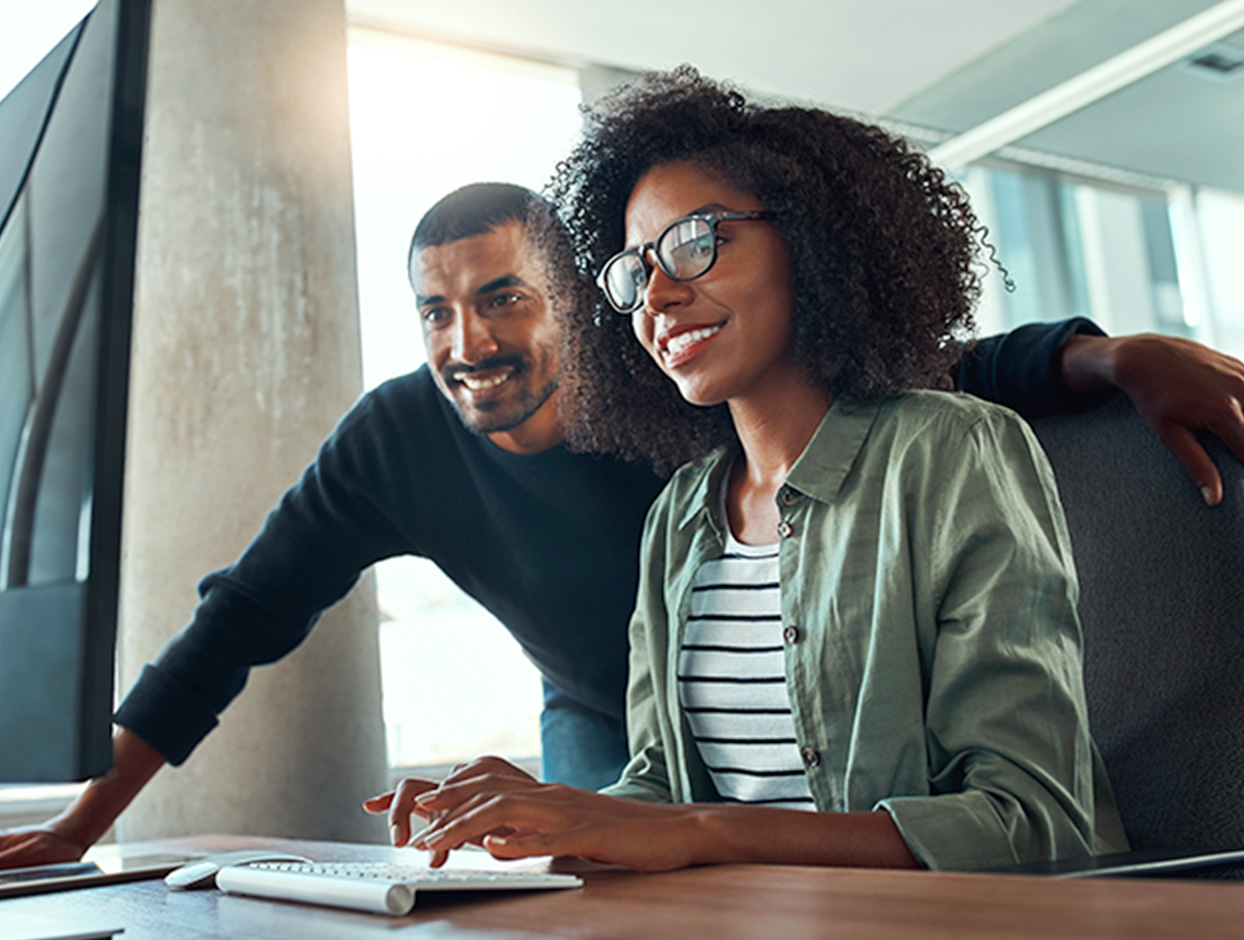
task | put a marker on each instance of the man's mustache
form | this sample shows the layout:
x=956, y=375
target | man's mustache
x=453, y=371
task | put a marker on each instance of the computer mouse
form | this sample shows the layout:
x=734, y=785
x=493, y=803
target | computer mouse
x=201, y=873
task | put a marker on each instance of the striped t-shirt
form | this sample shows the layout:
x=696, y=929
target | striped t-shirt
x=732, y=680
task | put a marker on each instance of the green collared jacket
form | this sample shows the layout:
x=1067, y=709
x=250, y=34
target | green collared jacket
x=933, y=653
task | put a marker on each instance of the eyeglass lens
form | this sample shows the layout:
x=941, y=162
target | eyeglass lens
x=687, y=248
x=624, y=281
x=684, y=250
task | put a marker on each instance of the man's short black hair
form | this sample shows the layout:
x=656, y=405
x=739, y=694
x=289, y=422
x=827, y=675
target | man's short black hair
x=475, y=209
x=479, y=208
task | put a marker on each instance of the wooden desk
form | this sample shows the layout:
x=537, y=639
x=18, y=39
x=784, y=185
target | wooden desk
x=769, y=902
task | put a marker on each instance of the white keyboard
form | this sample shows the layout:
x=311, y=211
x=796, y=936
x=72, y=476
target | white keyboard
x=376, y=887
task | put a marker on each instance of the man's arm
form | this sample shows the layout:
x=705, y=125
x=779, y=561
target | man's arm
x=66, y=837
x=326, y=530
x=1180, y=387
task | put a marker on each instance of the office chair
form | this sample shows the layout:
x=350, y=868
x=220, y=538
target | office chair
x=1162, y=608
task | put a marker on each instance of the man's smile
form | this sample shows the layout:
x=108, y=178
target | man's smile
x=487, y=380
x=479, y=382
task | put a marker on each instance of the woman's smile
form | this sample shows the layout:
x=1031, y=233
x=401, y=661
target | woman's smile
x=727, y=333
x=681, y=344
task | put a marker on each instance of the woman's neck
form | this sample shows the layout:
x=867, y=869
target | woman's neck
x=773, y=433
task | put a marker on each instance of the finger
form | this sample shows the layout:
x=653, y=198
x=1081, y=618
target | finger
x=450, y=795
x=526, y=845
x=378, y=804
x=499, y=766
x=1231, y=429
x=486, y=766
x=433, y=834
x=15, y=851
x=453, y=830
x=487, y=815
x=403, y=806
x=1184, y=445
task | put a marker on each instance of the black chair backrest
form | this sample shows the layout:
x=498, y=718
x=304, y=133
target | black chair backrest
x=1162, y=607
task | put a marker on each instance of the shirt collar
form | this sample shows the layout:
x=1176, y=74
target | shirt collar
x=819, y=472
x=825, y=462
x=708, y=482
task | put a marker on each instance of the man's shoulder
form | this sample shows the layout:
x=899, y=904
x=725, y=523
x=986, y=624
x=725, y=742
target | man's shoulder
x=411, y=401
x=412, y=389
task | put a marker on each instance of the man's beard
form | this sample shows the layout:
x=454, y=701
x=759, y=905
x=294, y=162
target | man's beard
x=479, y=419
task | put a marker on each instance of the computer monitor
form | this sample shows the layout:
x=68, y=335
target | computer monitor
x=70, y=148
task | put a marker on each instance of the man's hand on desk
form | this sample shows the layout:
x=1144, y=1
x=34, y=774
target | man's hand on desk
x=66, y=837
x=39, y=844
x=1178, y=386
x=403, y=803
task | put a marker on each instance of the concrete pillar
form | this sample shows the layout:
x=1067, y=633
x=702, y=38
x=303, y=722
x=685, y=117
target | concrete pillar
x=246, y=352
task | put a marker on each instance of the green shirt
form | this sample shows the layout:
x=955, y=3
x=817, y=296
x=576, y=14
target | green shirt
x=932, y=649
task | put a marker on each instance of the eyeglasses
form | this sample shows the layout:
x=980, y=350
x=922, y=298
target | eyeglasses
x=685, y=250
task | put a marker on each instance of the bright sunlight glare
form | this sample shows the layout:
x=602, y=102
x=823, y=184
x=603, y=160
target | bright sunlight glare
x=426, y=119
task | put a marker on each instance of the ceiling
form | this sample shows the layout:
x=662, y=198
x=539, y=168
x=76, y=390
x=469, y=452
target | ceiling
x=942, y=64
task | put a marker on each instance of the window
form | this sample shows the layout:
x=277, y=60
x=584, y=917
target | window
x=1133, y=258
x=426, y=119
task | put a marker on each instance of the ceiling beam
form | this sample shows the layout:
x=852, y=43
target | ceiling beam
x=1143, y=59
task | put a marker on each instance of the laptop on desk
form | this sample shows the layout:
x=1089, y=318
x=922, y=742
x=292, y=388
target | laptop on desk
x=1137, y=864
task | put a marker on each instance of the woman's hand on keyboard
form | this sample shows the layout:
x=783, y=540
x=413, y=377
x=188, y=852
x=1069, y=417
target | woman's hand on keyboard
x=404, y=802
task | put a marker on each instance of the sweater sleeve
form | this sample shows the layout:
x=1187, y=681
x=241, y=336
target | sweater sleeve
x=1022, y=369
x=328, y=528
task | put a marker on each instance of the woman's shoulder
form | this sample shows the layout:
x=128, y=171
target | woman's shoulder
x=951, y=428
x=954, y=406
x=953, y=413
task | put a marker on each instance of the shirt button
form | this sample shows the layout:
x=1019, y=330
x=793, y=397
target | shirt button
x=811, y=757
x=791, y=634
x=789, y=496
x=784, y=529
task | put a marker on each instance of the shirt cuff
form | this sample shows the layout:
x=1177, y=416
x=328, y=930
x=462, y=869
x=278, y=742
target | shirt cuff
x=166, y=714
x=952, y=832
x=1064, y=400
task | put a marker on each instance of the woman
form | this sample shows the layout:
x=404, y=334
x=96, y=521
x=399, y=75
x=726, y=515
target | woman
x=859, y=599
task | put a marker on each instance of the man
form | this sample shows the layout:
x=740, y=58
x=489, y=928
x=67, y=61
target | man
x=463, y=462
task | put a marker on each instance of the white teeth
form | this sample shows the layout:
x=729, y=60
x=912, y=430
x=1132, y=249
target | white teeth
x=680, y=342
x=478, y=384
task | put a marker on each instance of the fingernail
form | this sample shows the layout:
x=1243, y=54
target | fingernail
x=1208, y=495
x=395, y=834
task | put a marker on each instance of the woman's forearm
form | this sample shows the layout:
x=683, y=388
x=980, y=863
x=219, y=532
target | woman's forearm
x=519, y=818
x=749, y=834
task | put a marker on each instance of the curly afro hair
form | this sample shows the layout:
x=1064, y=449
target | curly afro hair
x=882, y=246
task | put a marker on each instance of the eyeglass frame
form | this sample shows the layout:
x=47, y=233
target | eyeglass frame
x=641, y=251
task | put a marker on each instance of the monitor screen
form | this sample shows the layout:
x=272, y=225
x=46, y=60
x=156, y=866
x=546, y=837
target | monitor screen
x=70, y=146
